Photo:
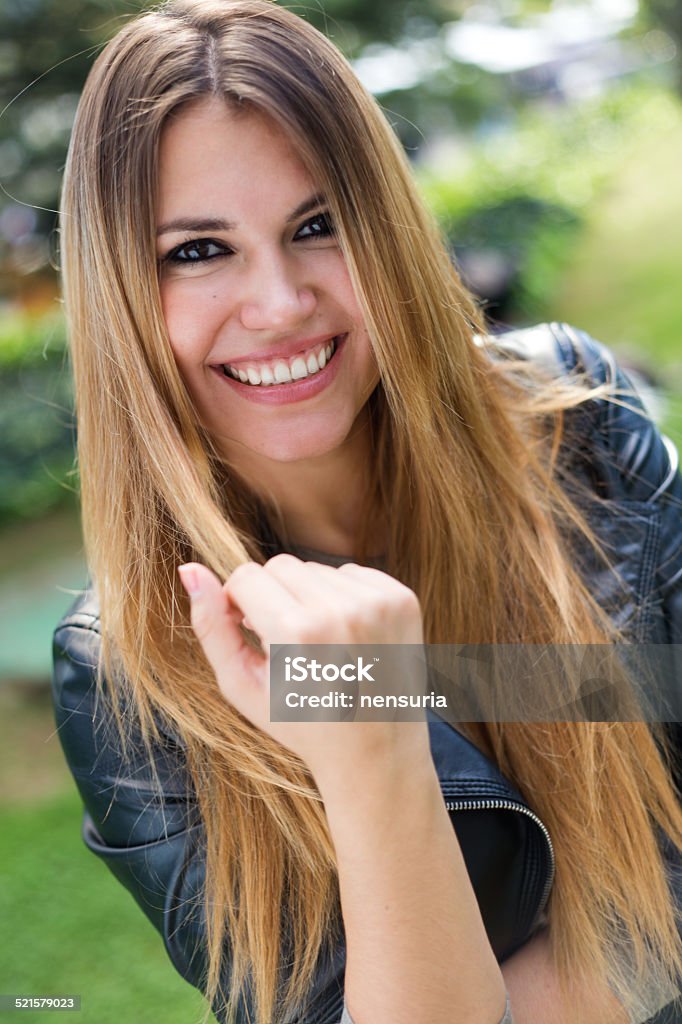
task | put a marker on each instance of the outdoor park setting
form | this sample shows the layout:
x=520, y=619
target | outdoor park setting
x=547, y=139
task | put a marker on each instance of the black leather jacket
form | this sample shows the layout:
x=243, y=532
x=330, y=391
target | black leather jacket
x=151, y=839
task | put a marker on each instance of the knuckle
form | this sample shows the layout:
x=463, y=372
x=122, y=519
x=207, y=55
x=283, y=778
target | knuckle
x=309, y=634
x=402, y=596
x=355, y=621
x=398, y=605
x=289, y=625
x=373, y=608
x=383, y=606
x=245, y=569
x=314, y=629
x=408, y=601
x=281, y=560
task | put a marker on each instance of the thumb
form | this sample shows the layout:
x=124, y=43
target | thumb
x=215, y=629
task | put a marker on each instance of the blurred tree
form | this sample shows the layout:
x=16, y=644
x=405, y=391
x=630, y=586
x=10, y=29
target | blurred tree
x=354, y=24
x=46, y=48
x=667, y=15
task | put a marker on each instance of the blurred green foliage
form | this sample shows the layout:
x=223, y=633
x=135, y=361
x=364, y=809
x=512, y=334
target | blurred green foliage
x=666, y=15
x=27, y=339
x=36, y=421
x=354, y=24
x=622, y=278
x=526, y=192
x=46, y=50
x=48, y=46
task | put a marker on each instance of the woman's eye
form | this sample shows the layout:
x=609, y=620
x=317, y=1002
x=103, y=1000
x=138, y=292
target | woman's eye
x=198, y=251
x=319, y=226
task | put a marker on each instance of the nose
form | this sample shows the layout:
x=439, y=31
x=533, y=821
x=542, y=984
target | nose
x=275, y=299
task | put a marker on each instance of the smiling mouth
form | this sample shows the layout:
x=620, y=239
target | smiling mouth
x=286, y=371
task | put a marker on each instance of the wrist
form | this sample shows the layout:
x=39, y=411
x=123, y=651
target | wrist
x=397, y=779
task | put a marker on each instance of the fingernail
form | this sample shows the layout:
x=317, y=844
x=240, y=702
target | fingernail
x=189, y=580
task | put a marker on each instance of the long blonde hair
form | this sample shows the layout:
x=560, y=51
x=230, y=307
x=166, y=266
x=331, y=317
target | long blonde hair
x=463, y=459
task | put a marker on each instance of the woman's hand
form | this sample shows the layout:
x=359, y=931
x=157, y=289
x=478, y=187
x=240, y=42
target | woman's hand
x=287, y=601
x=416, y=947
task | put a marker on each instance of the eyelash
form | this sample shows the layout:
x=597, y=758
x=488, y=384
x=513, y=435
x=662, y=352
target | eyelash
x=323, y=220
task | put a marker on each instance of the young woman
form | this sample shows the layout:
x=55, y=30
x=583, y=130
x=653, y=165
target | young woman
x=281, y=383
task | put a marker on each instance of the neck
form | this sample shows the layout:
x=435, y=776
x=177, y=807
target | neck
x=321, y=499
x=323, y=510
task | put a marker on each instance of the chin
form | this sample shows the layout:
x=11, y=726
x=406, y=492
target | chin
x=301, y=450
x=291, y=449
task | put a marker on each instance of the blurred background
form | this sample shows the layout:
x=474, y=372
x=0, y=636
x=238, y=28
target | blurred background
x=547, y=137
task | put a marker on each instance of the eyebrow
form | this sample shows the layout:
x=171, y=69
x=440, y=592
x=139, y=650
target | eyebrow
x=191, y=224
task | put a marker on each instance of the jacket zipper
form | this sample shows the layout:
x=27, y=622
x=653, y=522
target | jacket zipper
x=492, y=804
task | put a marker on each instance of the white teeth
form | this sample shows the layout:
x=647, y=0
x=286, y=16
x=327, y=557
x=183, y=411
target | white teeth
x=298, y=369
x=282, y=372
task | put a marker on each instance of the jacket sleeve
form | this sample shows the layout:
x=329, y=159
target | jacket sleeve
x=615, y=451
x=637, y=471
x=150, y=837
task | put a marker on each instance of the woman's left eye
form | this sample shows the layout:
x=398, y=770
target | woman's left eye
x=319, y=226
x=200, y=250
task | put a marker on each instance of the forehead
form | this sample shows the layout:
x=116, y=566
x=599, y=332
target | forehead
x=213, y=158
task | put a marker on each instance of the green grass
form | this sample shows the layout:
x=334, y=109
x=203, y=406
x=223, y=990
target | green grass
x=623, y=284
x=69, y=928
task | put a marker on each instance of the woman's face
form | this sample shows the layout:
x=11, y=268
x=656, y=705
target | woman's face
x=263, y=322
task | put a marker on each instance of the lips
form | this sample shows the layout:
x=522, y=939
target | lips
x=292, y=390
x=281, y=371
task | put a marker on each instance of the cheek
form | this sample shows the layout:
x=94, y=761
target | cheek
x=341, y=285
x=192, y=318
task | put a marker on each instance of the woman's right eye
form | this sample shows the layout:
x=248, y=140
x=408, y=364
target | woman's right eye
x=198, y=251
